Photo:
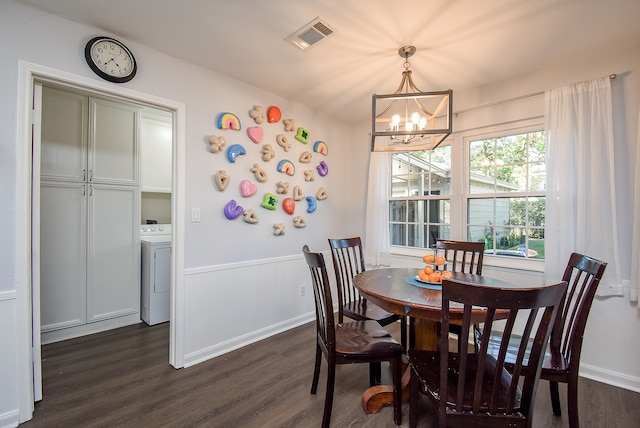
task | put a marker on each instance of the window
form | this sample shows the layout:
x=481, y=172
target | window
x=420, y=206
x=506, y=182
x=503, y=195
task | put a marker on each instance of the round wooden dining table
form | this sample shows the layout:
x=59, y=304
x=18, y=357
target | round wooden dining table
x=398, y=291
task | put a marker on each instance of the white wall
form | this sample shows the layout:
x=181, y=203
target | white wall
x=240, y=272
x=241, y=283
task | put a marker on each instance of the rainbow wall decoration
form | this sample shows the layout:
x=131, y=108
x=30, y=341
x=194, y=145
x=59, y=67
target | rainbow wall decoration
x=228, y=121
x=321, y=148
x=285, y=166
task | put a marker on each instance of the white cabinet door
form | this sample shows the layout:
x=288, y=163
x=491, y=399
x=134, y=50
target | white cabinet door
x=113, y=142
x=113, y=270
x=63, y=243
x=156, y=153
x=90, y=212
x=63, y=135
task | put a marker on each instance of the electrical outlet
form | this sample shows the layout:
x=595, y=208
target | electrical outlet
x=302, y=290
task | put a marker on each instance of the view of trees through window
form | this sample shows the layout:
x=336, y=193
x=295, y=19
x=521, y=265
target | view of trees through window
x=506, y=187
x=504, y=195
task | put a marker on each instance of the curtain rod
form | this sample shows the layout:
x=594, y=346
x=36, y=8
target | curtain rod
x=535, y=94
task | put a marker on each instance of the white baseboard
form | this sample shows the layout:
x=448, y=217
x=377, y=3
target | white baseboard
x=89, y=328
x=247, y=339
x=609, y=377
x=10, y=419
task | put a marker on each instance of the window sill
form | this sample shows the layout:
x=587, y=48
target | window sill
x=516, y=263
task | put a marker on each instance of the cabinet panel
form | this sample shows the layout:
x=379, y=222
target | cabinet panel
x=156, y=153
x=113, y=276
x=63, y=242
x=113, y=142
x=64, y=135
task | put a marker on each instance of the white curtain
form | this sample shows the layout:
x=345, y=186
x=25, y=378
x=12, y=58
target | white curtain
x=634, y=289
x=376, y=242
x=581, y=194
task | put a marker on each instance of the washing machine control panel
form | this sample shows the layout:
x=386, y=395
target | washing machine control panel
x=155, y=230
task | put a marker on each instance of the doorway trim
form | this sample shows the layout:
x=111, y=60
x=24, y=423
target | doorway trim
x=26, y=330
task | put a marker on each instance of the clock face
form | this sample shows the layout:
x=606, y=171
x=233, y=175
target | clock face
x=110, y=59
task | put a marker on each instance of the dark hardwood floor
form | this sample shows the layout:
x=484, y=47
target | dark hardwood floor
x=121, y=378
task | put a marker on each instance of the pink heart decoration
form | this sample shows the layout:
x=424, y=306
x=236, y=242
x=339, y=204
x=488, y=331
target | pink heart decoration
x=255, y=133
x=248, y=188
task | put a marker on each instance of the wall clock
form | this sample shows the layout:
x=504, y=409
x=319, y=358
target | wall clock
x=110, y=59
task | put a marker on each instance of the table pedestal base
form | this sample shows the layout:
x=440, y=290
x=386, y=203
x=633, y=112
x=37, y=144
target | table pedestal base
x=376, y=397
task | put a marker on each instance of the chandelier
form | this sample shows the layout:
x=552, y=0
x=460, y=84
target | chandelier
x=410, y=119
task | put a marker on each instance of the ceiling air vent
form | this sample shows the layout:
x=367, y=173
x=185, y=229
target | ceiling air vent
x=310, y=34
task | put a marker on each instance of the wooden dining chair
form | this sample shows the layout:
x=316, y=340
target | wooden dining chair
x=462, y=256
x=475, y=388
x=348, y=261
x=561, y=361
x=350, y=342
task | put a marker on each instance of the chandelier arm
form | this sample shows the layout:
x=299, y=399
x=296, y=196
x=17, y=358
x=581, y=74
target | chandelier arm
x=399, y=90
x=413, y=85
x=382, y=113
x=424, y=109
x=402, y=82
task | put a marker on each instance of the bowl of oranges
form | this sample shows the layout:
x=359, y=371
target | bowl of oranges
x=433, y=259
x=430, y=274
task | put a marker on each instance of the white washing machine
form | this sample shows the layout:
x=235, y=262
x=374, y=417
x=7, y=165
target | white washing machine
x=155, y=243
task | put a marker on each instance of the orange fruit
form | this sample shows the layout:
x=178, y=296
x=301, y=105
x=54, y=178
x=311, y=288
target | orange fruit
x=440, y=260
x=435, y=277
x=428, y=258
x=447, y=274
x=428, y=270
x=423, y=276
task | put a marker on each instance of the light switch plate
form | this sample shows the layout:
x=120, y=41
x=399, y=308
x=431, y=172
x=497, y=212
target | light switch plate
x=195, y=215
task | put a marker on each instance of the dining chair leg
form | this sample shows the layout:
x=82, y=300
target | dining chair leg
x=396, y=367
x=412, y=333
x=403, y=332
x=555, y=398
x=316, y=370
x=572, y=403
x=328, y=400
x=375, y=373
x=413, y=401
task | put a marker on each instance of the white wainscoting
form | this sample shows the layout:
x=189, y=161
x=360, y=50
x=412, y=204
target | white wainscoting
x=9, y=412
x=233, y=305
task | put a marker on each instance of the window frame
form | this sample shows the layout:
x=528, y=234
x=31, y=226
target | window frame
x=460, y=144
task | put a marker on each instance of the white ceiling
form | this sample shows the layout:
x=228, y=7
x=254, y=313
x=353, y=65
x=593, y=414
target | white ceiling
x=461, y=43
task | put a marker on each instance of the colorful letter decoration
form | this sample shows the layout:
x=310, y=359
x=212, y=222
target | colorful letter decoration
x=232, y=210
x=302, y=135
x=269, y=201
x=234, y=151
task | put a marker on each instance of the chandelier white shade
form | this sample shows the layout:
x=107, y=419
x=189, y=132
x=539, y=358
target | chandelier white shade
x=410, y=119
